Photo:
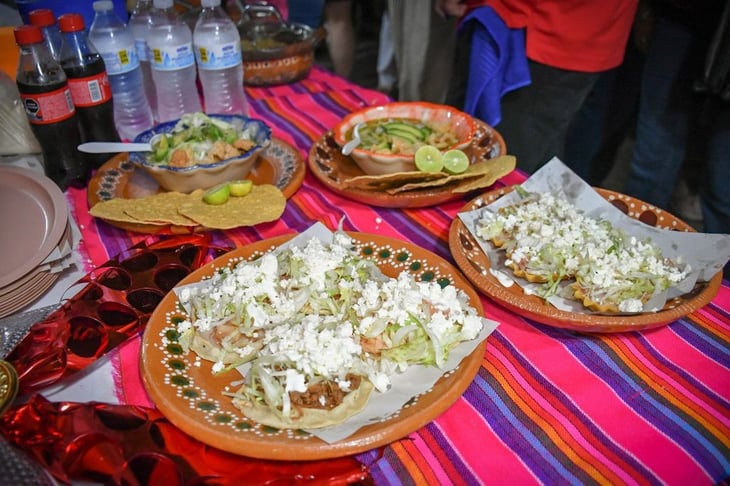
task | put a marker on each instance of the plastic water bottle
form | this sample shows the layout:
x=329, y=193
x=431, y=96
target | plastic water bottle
x=218, y=52
x=140, y=22
x=46, y=21
x=114, y=41
x=173, y=63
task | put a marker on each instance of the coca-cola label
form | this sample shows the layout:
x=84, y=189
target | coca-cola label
x=90, y=91
x=51, y=107
x=121, y=61
x=172, y=58
x=218, y=56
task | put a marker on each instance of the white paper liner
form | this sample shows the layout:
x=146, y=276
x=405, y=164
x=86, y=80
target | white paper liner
x=415, y=381
x=705, y=253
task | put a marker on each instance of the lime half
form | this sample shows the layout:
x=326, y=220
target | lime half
x=217, y=194
x=428, y=159
x=455, y=161
x=240, y=188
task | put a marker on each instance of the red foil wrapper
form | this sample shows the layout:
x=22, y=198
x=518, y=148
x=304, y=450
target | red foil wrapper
x=121, y=444
x=114, y=303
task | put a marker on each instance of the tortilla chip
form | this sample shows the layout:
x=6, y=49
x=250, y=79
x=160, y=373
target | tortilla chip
x=392, y=180
x=311, y=418
x=478, y=175
x=449, y=179
x=116, y=210
x=264, y=203
x=493, y=169
x=160, y=209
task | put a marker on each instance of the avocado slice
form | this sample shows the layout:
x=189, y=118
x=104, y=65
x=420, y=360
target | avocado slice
x=404, y=128
x=162, y=147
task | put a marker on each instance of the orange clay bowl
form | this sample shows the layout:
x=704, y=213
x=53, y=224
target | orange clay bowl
x=438, y=116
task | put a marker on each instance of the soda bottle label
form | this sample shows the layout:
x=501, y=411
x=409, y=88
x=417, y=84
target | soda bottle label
x=120, y=61
x=172, y=58
x=218, y=56
x=140, y=45
x=51, y=107
x=90, y=91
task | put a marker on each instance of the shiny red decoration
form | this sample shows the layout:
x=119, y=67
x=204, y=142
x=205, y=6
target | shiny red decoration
x=115, y=301
x=122, y=444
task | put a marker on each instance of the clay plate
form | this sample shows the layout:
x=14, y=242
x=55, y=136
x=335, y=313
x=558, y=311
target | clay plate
x=191, y=397
x=328, y=165
x=475, y=264
x=280, y=164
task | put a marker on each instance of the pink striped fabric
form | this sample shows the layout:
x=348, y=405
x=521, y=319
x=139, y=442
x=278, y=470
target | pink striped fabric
x=547, y=405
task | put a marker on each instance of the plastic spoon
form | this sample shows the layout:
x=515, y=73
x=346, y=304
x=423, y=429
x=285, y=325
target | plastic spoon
x=110, y=147
x=352, y=144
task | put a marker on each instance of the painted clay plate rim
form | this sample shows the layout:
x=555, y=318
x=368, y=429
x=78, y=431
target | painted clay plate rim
x=330, y=167
x=35, y=228
x=474, y=264
x=279, y=164
x=190, y=396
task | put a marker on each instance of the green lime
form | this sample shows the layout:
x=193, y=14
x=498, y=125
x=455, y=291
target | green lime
x=428, y=159
x=241, y=187
x=455, y=161
x=217, y=194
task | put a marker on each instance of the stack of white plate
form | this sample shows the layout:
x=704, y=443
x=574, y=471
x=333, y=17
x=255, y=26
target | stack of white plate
x=36, y=240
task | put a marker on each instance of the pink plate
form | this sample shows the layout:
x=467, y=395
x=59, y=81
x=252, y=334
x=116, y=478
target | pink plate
x=33, y=218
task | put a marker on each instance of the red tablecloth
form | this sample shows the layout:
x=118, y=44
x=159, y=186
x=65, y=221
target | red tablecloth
x=548, y=405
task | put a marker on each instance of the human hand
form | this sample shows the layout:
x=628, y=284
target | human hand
x=450, y=8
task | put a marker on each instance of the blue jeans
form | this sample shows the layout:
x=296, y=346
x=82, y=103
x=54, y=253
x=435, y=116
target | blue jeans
x=664, y=114
x=715, y=187
x=666, y=108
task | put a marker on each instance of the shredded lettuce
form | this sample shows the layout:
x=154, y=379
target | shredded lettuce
x=324, y=313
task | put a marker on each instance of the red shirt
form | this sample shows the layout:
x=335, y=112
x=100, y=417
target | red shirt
x=577, y=35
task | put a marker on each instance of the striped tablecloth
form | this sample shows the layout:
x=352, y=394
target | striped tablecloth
x=548, y=405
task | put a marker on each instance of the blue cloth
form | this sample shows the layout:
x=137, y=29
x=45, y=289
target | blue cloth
x=498, y=64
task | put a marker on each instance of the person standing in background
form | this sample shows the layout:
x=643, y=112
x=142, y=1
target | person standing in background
x=340, y=35
x=568, y=43
x=424, y=44
x=336, y=17
x=686, y=80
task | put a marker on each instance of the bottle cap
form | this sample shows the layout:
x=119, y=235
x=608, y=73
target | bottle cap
x=42, y=17
x=162, y=4
x=71, y=22
x=27, y=34
x=209, y=3
x=103, y=5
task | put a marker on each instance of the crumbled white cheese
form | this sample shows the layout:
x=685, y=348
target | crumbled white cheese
x=546, y=237
x=309, y=308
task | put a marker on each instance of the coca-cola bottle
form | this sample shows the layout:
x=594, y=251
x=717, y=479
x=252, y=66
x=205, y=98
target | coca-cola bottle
x=47, y=101
x=89, y=85
x=46, y=21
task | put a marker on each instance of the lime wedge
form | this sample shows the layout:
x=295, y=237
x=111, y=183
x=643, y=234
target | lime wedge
x=217, y=194
x=241, y=187
x=455, y=161
x=428, y=159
